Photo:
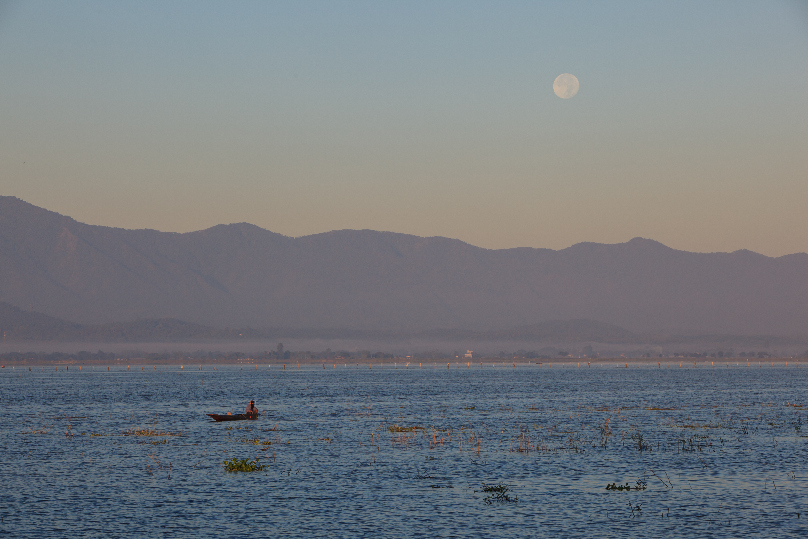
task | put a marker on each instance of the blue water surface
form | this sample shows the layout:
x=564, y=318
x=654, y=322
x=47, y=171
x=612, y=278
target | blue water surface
x=419, y=452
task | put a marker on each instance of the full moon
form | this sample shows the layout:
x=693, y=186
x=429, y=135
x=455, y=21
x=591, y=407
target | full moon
x=565, y=86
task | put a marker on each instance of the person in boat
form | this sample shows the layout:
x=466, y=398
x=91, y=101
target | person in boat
x=251, y=409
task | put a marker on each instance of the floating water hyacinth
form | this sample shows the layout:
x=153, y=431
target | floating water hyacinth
x=243, y=465
x=640, y=485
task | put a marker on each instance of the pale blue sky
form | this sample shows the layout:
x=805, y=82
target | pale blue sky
x=429, y=118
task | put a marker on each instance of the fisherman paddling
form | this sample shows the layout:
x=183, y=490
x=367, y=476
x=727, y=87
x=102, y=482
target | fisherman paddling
x=251, y=410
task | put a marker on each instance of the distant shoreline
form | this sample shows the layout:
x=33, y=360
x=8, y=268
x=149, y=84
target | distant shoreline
x=404, y=363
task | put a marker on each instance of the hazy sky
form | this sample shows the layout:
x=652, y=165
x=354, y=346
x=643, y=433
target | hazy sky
x=429, y=118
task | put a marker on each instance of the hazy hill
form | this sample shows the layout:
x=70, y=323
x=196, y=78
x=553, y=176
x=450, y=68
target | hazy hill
x=240, y=275
x=20, y=325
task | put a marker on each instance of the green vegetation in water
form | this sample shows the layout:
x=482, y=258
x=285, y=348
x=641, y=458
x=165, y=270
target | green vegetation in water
x=253, y=441
x=640, y=485
x=243, y=465
x=498, y=494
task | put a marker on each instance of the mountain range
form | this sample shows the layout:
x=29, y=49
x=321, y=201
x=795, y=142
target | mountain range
x=20, y=325
x=242, y=276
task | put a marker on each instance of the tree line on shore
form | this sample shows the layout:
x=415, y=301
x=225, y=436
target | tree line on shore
x=280, y=354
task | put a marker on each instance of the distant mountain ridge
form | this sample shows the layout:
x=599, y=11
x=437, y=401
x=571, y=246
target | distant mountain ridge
x=240, y=275
x=19, y=325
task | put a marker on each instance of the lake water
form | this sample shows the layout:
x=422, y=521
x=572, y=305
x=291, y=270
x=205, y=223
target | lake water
x=383, y=452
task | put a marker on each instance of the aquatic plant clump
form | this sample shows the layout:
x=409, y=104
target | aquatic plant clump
x=244, y=465
x=498, y=494
x=640, y=485
x=253, y=441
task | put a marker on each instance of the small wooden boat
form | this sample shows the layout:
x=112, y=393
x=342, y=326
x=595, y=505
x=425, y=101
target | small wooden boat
x=233, y=417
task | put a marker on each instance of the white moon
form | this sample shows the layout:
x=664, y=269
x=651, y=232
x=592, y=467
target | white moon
x=565, y=86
